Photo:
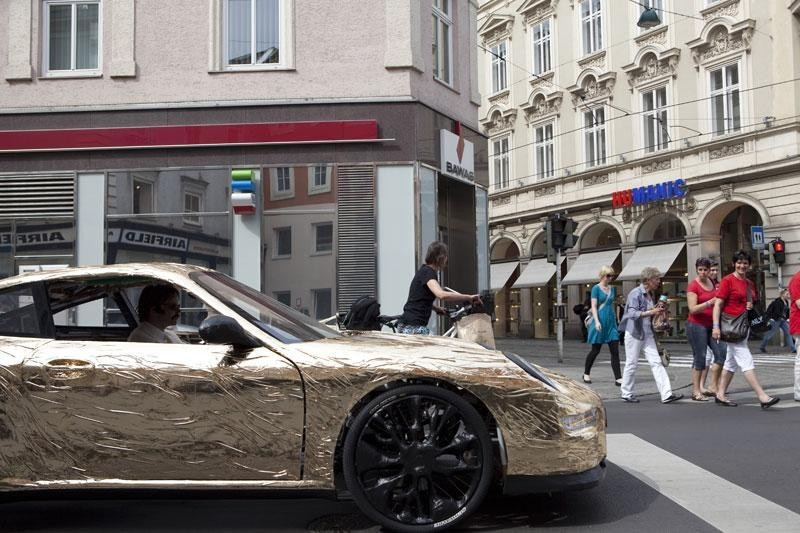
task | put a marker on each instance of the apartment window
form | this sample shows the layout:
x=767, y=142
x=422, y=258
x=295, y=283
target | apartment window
x=500, y=162
x=541, y=47
x=591, y=23
x=323, y=238
x=322, y=303
x=726, y=112
x=281, y=182
x=543, y=150
x=319, y=179
x=499, y=80
x=594, y=124
x=192, y=205
x=143, y=197
x=283, y=242
x=71, y=37
x=442, y=40
x=284, y=297
x=654, y=105
x=253, y=32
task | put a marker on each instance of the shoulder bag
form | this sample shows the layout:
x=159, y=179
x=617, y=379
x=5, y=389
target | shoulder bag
x=759, y=321
x=589, y=318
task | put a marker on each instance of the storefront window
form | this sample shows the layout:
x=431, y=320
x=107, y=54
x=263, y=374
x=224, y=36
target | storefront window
x=34, y=245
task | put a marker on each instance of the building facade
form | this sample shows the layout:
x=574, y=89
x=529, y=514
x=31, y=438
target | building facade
x=665, y=144
x=121, y=126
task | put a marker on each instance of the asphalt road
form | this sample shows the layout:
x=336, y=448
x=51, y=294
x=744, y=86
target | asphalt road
x=687, y=466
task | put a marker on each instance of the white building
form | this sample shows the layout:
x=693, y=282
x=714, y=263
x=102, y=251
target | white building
x=580, y=104
x=121, y=122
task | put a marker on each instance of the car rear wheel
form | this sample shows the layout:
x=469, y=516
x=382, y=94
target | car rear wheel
x=418, y=458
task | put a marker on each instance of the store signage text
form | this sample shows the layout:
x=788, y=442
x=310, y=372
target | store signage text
x=652, y=193
x=33, y=238
x=154, y=240
x=457, y=156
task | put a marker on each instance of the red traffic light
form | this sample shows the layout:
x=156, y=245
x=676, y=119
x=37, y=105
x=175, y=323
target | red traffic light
x=777, y=246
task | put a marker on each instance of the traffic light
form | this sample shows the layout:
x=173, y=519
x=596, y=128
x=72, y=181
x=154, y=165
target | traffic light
x=570, y=239
x=560, y=232
x=779, y=251
x=548, y=238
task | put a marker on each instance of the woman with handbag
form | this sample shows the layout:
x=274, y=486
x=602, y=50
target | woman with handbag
x=640, y=310
x=602, y=325
x=700, y=297
x=731, y=323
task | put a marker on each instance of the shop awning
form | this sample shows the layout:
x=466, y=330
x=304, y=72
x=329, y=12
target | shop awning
x=537, y=273
x=660, y=256
x=587, y=267
x=499, y=274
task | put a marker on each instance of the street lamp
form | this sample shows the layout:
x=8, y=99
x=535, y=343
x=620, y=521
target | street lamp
x=649, y=19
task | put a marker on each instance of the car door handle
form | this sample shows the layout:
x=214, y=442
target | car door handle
x=68, y=368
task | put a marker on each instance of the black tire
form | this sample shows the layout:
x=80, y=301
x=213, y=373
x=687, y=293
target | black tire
x=418, y=458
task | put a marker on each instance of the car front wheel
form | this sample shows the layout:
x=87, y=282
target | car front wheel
x=418, y=458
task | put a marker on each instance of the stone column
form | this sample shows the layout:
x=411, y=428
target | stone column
x=525, y=313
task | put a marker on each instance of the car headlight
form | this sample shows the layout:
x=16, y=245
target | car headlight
x=579, y=422
x=530, y=369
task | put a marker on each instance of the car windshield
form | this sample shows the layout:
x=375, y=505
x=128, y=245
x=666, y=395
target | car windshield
x=278, y=320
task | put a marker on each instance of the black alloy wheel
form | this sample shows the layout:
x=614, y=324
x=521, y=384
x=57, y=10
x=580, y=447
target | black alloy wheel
x=418, y=458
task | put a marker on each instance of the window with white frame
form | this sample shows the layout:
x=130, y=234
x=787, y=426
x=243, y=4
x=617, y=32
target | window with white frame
x=319, y=179
x=499, y=80
x=192, y=205
x=442, y=40
x=654, y=116
x=541, y=47
x=283, y=242
x=594, y=127
x=591, y=25
x=726, y=111
x=253, y=33
x=323, y=237
x=501, y=164
x=657, y=5
x=143, y=197
x=322, y=303
x=543, y=151
x=281, y=182
x=72, y=43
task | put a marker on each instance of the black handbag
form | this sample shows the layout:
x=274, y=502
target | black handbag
x=759, y=322
x=734, y=328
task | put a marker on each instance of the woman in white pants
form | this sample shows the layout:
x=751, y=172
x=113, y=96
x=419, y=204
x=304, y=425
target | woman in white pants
x=636, y=322
x=735, y=295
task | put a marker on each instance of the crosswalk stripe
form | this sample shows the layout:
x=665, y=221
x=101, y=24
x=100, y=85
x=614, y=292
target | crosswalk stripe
x=688, y=485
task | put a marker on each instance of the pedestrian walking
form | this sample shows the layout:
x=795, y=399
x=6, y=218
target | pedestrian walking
x=700, y=296
x=735, y=295
x=640, y=309
x=794, y=328
x=778, y=315
x=602, y=329
x=713, y=277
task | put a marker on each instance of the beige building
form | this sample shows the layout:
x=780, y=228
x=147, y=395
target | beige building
x=665, y=144
x=121, y=122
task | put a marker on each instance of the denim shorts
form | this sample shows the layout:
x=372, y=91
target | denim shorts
x=413, y=330
x=700, y=338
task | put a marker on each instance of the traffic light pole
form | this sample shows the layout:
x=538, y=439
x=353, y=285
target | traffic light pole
x=559, y=321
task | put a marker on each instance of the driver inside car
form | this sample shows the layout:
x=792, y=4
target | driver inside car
x=158, y=309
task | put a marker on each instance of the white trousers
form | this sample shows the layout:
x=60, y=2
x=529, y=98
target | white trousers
x=633, y=347
x=739, y=357
x=797, y=369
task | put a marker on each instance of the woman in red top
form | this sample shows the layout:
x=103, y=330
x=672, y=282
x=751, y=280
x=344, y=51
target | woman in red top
x=700, y=296
x=732, y=296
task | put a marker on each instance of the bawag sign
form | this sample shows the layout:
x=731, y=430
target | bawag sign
x=457, y=156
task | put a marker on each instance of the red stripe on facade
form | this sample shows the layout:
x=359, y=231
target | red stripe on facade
x=189, y=135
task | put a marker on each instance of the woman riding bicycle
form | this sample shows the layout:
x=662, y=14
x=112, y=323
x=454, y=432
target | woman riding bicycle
x=425, y=289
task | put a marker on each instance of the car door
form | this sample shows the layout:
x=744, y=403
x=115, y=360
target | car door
x=146, y=411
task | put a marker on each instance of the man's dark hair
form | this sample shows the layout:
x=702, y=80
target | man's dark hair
x=437, y=253
x=742, y=255
x=154, y=295
x=702, y=262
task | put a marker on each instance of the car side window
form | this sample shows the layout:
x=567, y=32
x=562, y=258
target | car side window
x=18, y=313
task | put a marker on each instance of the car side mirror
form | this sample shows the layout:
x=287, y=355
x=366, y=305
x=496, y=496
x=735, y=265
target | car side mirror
x=221, y=329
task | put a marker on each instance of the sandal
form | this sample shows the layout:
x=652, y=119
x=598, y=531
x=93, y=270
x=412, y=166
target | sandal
x=700, y=397
x=709, y=393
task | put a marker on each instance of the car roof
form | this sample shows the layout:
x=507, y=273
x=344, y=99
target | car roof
x=159, y=270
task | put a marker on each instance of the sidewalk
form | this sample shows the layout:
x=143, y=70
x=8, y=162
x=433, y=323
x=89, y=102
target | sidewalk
x=774, y=370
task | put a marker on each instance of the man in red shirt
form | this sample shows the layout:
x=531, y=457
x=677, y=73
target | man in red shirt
x=794, y=328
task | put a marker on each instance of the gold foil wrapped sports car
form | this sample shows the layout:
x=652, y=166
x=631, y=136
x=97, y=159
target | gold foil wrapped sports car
x=415, y=429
